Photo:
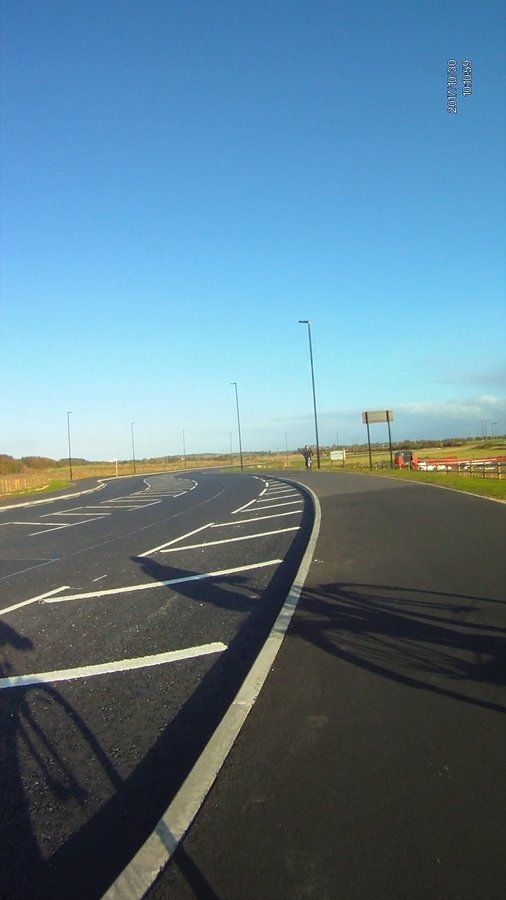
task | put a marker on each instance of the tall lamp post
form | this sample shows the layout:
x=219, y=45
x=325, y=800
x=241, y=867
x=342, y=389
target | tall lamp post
x=133, y=444
x=234, y=383
x=69, y=413
x=308, y=323
x=184, y=449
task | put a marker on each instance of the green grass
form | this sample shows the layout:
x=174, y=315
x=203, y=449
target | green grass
x=471, y=484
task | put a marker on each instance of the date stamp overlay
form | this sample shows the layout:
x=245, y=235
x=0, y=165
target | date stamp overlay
x=452, y=71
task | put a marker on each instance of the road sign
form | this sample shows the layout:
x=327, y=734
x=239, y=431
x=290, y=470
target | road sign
x=338, y=454
x=372, y=416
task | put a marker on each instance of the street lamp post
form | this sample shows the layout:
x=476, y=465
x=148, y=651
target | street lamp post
x=184, y=449
x=234, y=383
x=69, y=413
x=308, y=323
x=133, y=444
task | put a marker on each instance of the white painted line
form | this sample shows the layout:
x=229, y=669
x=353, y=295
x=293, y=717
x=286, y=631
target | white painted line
x=133, y=588
x=44, y=524
x=291, y=512
x=100, y=577
x=153, y=856
x=174, y=541
x=67, y=525
x=284, y=496
x=264, y=490
x=121, y=665
x=34, y=599
x=78, y=514
x=152, y=503
x=276, y=505
x=244, y=537
x=243, y=507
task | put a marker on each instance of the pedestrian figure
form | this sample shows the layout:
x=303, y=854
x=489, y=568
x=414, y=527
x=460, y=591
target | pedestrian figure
x=308, y=456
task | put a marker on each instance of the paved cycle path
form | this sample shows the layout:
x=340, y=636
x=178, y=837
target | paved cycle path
x=372, y=765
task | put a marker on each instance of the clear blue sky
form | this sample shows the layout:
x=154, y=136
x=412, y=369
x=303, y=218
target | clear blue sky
x=184, y=180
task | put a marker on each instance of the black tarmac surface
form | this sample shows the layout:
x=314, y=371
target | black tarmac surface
x=90, y=763
x=373, y=763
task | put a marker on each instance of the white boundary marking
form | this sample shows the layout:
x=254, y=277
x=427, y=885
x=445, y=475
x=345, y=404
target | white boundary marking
x=291, y=512
x=244, y=537
x=133, y=588
x=275, y=505
x=65, y=587
x=234, y=511
x=174, y=541
x=155, y=853
x=121, y=665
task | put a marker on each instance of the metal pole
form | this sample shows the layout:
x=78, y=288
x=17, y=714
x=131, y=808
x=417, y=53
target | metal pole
x=308, y=323
x=368, y=440
x=390, y=441
x=238, y=422
x=68, y=435
x=286, y=449
x=133, y=444
x=184, y=450
x=231, y=451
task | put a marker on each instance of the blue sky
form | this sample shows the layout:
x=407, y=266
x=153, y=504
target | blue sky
x=183, y=181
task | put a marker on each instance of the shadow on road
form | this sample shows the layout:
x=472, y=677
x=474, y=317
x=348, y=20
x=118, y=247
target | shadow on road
x=32, y=762
x=426, y=640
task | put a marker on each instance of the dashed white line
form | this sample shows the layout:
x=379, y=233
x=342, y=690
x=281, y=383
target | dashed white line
x=121, y=665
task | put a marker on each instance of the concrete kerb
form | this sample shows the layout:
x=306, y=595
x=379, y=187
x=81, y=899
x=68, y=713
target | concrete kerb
x=148, y=863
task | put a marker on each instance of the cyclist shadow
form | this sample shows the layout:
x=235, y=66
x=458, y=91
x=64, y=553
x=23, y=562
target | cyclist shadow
x=31, y=758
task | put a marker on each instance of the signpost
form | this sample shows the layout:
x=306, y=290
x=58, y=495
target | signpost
x=371, y=417
x=338, y=455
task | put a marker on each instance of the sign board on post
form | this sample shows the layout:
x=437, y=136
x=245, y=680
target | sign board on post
x=377, y=415
x=370, y=417
x=338, y=455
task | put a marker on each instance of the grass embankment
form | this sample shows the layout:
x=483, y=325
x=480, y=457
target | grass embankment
x=56, y=485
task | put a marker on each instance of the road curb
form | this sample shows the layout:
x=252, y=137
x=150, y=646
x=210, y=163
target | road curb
x=52, y=499
x=147, y=864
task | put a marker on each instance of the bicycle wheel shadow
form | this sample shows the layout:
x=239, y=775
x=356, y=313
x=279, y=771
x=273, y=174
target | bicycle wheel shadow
x=451, y=645
x=34, y=763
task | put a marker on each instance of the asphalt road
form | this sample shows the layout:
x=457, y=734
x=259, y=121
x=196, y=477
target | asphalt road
x=373, y=763
x=129, y=618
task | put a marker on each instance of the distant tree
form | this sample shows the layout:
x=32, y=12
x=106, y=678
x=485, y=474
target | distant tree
x=38, y=462
x=8, y=464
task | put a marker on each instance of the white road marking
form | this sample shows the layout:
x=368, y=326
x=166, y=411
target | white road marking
x=243, y=507
x=133, y=588
x=264, y=490
x=153, y=856
x=100, y=577
x=65, y=587
x=67, y=525
x=244, y=537
x=275, y=505
x=153, y=503
x=291, y=512
x=78, y=514
x=45, y=524
x=121, y=665
x=174, y=541
x=284, y=496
